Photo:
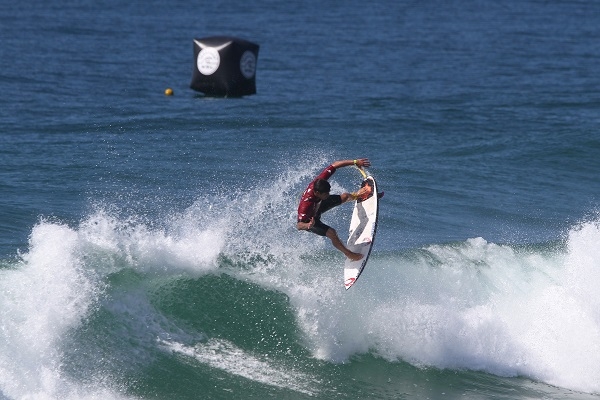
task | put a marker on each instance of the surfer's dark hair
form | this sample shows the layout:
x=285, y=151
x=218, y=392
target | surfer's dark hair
x=322, y=186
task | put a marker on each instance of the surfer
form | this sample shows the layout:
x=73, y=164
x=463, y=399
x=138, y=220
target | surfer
x=316, y=200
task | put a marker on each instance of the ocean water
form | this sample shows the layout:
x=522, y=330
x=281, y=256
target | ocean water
x=148, y=247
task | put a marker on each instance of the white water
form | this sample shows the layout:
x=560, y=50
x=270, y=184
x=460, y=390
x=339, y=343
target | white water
x=59, y=281
x=224, y=355
x=41, y=300
x=473, y=305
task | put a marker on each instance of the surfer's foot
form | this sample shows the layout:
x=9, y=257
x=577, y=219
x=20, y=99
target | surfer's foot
x=354, y=256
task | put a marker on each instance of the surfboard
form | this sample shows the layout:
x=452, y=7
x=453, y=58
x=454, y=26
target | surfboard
x=363, y=226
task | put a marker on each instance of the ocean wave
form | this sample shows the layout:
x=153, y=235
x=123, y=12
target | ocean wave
x=474, y=305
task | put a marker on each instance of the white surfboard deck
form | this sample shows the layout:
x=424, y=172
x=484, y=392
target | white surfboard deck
x=362, y=232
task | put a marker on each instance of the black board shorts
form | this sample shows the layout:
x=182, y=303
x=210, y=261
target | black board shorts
x=319, y=227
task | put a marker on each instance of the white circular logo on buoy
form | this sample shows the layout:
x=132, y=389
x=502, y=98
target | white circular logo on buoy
x=248, y=64
x=208, y=61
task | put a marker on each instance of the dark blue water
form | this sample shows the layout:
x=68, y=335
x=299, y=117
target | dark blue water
x=148, y=245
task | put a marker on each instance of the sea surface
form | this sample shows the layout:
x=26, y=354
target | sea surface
x=148, y=247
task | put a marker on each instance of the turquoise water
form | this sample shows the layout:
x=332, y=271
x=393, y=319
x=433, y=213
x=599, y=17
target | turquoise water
x=148, y=246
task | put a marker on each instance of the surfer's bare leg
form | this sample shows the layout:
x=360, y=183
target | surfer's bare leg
x=337, y=243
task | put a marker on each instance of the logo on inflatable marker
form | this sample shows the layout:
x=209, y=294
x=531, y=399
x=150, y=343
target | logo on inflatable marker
x=208, y=60
x=248, y=64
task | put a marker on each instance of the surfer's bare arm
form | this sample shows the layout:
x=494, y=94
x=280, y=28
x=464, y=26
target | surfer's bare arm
x=359, y=162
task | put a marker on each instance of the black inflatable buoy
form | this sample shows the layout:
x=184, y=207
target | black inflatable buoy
x=225, y=66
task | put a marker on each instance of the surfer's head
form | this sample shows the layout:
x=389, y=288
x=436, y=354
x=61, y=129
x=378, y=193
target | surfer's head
x=322, y=188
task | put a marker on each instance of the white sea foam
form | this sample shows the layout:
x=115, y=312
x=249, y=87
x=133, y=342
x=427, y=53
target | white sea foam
x=59, y=280
x=474, y=305
x=182, y=246
x=45, y=296
x=224, y=355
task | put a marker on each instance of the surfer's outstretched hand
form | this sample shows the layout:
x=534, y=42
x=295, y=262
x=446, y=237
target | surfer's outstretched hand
x=362, y=162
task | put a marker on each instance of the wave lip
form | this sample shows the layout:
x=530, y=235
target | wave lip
x=47, y=294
